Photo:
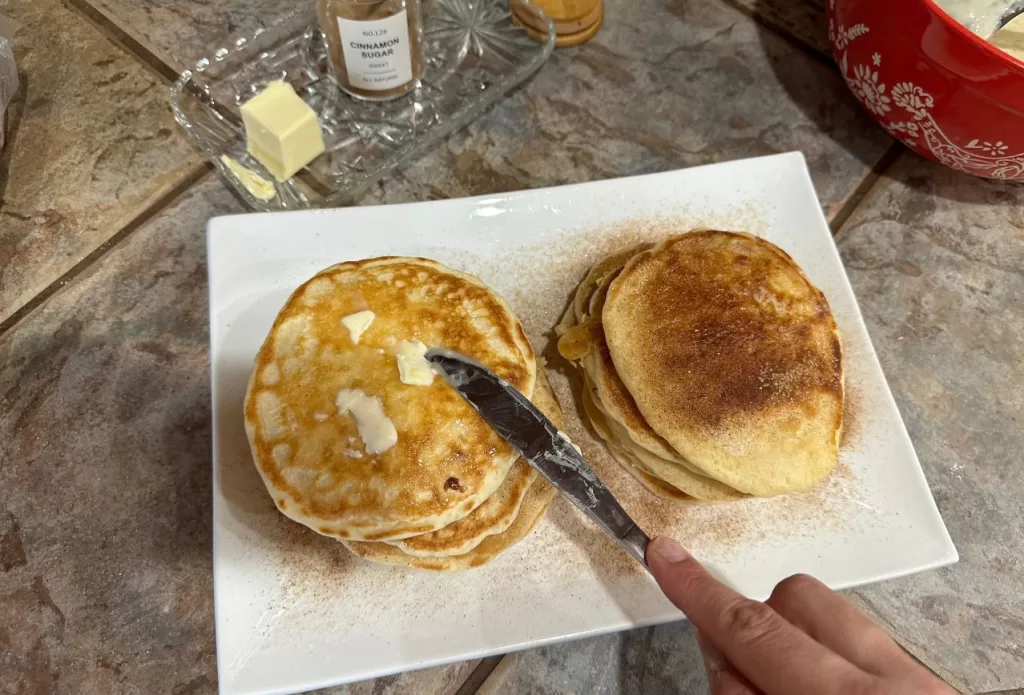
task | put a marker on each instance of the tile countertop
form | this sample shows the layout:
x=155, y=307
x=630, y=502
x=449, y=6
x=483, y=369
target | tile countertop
x=104, y=396
x=91, y=145
x=663, y=85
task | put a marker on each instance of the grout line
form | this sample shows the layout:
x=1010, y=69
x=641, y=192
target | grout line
x=100, y=251
x=168, y=72
x=486, y=668
x=479, y=675
x=123, y=39
x=863, y=189
x=764, y=22
x=150, y=62
x=918, y=654
x=492, y=685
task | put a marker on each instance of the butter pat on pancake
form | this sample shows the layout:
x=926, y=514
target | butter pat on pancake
x=317, y=466
x=499, y=511
x=413, y=368
x=507, y=517
x=732, y=357
x=375, y=428
x=358, y=323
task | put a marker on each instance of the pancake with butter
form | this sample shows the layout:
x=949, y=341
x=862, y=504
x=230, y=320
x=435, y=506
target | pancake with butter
x=732, y=357
x=499, y=510
x=348, y=428
x=487, y=532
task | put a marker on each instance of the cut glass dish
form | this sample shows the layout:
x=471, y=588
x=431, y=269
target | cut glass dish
x=474, y=54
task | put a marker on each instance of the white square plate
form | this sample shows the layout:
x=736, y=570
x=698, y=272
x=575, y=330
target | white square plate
x=295, y=611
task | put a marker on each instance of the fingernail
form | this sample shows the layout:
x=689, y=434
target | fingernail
x=668, y=550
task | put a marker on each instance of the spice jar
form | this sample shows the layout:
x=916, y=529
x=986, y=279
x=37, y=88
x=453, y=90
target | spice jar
x=375, y=46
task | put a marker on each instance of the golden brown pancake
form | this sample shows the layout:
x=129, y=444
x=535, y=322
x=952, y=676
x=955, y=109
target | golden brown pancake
x=680, y=477
x=732, y=357
x=626, y=459
x=611, y=393
x=535, y=505
x=611, y=409
x=488, y=540
x=654, y=485
x=596, y=275
x=496, y=513
x=446, y=461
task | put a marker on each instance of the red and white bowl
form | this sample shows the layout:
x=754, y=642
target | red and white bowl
x=935, y=86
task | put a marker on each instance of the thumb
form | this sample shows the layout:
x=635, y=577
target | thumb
x=669, y=564
x=770, y=652
x=666, y=551
x=686, y=583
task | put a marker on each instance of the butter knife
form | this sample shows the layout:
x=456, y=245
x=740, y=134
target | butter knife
x=541, y=443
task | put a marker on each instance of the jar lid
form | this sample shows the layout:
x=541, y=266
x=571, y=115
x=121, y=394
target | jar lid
x=576, y=21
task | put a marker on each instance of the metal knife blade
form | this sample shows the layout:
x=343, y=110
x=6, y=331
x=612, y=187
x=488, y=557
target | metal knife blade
x=541, y=443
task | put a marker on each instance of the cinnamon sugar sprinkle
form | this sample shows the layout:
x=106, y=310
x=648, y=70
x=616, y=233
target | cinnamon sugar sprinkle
x=314, y=571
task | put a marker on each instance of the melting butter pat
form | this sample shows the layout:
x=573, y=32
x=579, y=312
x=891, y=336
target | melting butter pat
x=413, y=368
x=357, y=324
x=260, y=188
x=564, y=436
x=375, y=427
x=281, y=130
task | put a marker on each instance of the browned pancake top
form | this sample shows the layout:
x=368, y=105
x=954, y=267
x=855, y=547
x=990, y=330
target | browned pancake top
x=447, y=459
x=716, y=325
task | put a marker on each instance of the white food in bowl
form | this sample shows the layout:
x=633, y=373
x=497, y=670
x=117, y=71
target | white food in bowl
x=1010, y=39
x=982, y=17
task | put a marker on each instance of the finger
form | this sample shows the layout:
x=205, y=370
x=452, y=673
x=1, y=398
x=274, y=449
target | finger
x=771, y=653
x=723, y=679
x=835, y=622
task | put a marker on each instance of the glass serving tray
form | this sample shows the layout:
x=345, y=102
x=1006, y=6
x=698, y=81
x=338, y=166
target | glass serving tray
x=474, y=54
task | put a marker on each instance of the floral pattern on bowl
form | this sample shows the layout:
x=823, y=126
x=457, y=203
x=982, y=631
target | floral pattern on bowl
x=933, y=94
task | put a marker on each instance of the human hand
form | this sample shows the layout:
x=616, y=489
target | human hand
x=804, y=640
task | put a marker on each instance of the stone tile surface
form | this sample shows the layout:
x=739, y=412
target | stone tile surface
x=937, y=262
x=180, y=32
x=663, y=660
x=109, y=599
x=804, y=20
x=105, y=557
x=442, y=680
x=91, y=144
x=663, y=85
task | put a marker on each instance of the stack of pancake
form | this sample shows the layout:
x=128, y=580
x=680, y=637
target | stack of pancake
x=386, y=458
x=712, y=367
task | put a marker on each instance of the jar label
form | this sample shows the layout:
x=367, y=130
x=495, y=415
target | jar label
x=377, y=52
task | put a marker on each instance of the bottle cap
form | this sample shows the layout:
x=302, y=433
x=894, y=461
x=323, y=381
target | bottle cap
x=576, y=21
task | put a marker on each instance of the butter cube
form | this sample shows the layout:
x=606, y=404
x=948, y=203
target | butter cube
x=413, y=367
x=281, y=130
